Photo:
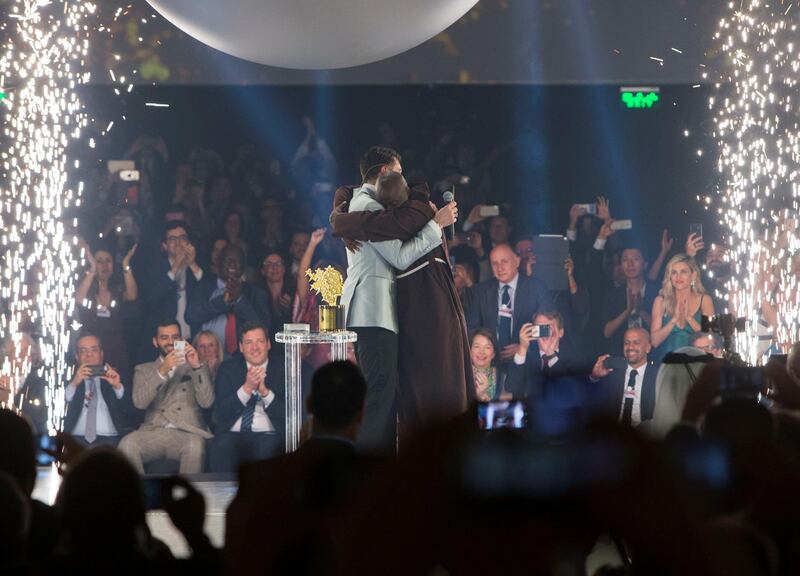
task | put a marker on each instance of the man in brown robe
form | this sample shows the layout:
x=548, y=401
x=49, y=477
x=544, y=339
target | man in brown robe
x=434, y=363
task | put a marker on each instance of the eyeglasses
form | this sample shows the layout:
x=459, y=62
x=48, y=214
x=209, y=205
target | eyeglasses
x=183, y=239
x=273, y=265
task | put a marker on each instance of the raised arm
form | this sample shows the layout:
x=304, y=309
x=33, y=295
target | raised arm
x=400, y=223
x=402, y=254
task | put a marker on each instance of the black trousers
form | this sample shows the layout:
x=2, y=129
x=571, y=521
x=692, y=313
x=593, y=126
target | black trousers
x=229, y=450
x=376, y=351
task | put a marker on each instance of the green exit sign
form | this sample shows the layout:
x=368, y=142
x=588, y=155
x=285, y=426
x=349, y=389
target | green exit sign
x=639, y=97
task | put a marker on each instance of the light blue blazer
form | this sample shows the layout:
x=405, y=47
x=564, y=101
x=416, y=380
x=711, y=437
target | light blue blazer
x=369, y=291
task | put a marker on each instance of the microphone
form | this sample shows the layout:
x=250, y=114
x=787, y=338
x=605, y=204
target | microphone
x=448, y=197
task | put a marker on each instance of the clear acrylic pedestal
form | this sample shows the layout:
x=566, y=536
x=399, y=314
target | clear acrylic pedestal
x=293, y=341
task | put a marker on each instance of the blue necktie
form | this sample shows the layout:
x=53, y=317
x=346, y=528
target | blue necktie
x=504, y=321
x=249, y=411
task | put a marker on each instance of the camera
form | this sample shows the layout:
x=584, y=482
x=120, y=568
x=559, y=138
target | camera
x=726, y=325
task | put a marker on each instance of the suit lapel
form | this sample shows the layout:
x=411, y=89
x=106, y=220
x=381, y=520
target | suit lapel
x=649, y=391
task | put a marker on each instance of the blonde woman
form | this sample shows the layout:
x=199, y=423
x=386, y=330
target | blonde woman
x=678, y=307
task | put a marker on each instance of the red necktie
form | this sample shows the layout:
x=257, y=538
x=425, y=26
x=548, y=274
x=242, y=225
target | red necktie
x=230, y=333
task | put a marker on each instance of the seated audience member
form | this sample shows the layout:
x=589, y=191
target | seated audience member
x=171, y=282
x=101, y=512
x=280, y=288
x=14, y=527
x=216, y=250
x=678, y=307
x=249, y=408
x=172, y=389
x=505, y=302
x=210, y=350
x=629, y=305
x=709, y=343
x=221, y=304
x=307, y=489
x=96, y=404
x=530, y=370
x=18, y=460
x=489, y=382
x=625, y=388
x=104, y=299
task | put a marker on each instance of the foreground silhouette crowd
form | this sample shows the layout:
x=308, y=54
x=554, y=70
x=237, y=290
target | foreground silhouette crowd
x=716, y=495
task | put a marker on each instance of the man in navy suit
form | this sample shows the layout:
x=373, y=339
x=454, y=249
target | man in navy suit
x=249, y=408
x=506, y=302
x=548, y=359
x=98, y=407
x=626, y=387
x=224, y=304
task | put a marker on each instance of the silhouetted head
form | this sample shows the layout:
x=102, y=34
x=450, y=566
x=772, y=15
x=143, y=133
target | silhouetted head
x=337, y=397
x=17, y=450
x=101, y=503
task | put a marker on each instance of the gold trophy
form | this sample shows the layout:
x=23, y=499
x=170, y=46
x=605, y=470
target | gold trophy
x=328, y=282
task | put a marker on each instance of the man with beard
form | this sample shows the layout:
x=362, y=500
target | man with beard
x=626, y=387
x=172, y=390
x=369, y=299
x=221, y=304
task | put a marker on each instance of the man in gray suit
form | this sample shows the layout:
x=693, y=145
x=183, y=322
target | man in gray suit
x=369, y=300
x=172, y=389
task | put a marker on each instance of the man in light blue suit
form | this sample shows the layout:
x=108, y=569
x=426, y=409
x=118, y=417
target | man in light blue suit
x=369, y=300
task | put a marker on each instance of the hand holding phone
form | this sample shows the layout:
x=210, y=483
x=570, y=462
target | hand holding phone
x=97, y=370
x=179, y=348
x=489, y=211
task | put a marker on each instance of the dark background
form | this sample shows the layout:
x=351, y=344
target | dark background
x=558, y=144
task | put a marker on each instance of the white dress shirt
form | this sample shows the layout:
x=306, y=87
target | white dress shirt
x=636, y=415
x=519, y=359
x=261, y=422
x=180, y=280
x=512, y=289
x=104, y=424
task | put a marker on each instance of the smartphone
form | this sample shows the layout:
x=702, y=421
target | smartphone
x=541, y=331
x=129, y=175
x=98, y=370
x=696, y=229
x=489, y=211
x=180, y=350
x=503, y=414
x=621, y=225
x=741, y=382
x=115, y=166
x=44, y=445
x=589, y=208
x=464, y=180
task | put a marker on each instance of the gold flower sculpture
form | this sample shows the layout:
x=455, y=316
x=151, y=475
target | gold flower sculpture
x=327, y=282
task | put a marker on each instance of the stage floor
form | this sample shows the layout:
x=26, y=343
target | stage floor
x=217, y=492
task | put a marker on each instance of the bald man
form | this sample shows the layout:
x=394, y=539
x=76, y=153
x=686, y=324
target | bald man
x=626, y=387
x=506, y=301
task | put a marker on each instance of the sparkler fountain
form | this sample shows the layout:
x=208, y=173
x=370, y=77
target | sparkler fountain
x=756, y=110
x=40, y=70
